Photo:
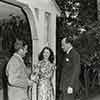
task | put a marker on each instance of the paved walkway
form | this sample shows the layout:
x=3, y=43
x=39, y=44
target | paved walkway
x=93, y=98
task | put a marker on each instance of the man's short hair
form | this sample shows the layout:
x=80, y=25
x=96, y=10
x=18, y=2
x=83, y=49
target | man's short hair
x=19, y=44
x=68, y=40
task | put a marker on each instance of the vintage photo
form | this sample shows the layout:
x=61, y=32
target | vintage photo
x=49, y=50
x=28, y=49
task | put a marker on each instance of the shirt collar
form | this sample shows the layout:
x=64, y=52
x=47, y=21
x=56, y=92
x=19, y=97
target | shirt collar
x=16, y=54
x=69, y=50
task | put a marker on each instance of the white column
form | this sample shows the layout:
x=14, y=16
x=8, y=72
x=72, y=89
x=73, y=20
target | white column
x=98, y=8
x=52, y=33
x=41, y=29
x=47, y=27
x=34, y=31
x=52, y=44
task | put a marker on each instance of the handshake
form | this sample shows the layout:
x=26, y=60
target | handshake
x=35, y=78
x=35, y=75
x=30, y=83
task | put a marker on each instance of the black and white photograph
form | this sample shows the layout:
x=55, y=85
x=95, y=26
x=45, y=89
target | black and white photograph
x=49, y=49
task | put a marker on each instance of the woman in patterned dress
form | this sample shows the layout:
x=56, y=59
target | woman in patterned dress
x=46, y=72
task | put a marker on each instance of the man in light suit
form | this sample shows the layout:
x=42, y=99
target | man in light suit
x=69, y=84
x=17, y=75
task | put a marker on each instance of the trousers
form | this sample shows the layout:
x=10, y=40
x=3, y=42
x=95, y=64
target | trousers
x=66, y=96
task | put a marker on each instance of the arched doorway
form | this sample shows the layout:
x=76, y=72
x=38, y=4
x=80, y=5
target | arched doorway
x=31, y=20
x=12, y=27
x=42, y=18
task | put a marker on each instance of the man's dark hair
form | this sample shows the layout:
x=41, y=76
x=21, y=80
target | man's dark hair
x=69, y=40
x=51, y=57
x=19, y=44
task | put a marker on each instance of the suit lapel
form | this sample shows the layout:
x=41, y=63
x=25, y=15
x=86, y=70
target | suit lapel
x=21, y=62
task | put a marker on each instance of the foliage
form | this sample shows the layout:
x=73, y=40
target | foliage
x=12, y=28
x=78, y=21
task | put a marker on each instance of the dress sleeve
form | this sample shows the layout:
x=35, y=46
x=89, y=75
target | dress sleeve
x=53, y=79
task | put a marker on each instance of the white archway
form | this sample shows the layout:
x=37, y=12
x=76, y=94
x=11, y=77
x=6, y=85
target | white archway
x=30, y=17
x=41, y=15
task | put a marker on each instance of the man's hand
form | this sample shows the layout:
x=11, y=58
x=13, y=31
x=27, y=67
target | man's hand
x=70, y=90
x=35, y=78
x=30, y=83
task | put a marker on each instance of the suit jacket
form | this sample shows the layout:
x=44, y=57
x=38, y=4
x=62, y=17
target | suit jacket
x=17, y=79
x=70, y=71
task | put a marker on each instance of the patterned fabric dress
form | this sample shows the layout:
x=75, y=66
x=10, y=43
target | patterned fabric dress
x=45, y=86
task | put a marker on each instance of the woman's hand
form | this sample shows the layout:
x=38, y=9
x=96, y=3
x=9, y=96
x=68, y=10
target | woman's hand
x=36, y=68
x=35, y=78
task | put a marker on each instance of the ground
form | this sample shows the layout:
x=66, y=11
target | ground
x=96, y=97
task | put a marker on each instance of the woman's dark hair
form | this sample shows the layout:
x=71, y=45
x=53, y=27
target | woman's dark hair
x=51, y=57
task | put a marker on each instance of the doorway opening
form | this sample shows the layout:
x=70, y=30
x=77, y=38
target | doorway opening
x=13, y=25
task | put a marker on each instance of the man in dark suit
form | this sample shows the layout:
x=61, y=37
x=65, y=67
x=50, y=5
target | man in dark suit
x=69, y=84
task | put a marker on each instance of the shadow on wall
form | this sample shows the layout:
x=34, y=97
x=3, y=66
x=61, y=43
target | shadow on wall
x=5, y=87
x=4, y=80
